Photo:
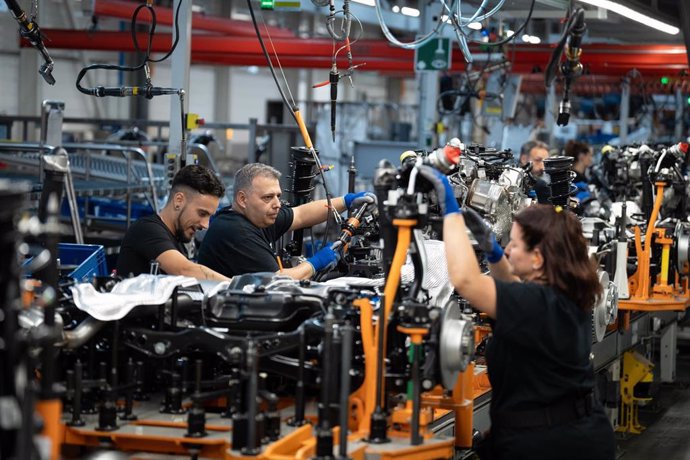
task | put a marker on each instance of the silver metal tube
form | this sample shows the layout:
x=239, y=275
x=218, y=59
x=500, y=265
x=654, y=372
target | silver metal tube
x=82, y=333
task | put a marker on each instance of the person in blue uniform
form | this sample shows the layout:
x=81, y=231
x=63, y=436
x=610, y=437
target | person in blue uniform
x=539, y=296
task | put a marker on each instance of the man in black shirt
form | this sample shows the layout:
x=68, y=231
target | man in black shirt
x=537, y=154
x=194, y=197
x=241, y=237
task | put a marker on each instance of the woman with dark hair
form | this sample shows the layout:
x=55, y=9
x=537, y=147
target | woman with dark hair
x=539, y=295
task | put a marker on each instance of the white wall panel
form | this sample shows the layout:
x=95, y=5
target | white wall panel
x=249, y=93
x=9, y=101
x=202, y=99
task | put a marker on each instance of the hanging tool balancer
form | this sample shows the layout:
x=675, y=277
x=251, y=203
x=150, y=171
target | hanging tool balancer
x=28, y=28
x=333, y=78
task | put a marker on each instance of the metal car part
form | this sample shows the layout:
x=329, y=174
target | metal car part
x=682, y=246
x=456, y=347
x=605, y=310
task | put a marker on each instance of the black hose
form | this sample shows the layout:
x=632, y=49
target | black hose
x=98, y=90
x=268, y=61
x=552, y=67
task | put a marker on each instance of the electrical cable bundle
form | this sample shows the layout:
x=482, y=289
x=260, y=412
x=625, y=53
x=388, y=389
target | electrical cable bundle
x=148, y=91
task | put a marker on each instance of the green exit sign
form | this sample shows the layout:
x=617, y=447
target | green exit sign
x=289, y=5
x=433, y=55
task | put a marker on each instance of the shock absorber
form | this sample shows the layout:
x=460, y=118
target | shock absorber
x=558, y=168
x=302, y=174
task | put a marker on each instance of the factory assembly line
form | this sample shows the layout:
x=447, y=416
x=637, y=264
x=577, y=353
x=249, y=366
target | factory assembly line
x=166, y=364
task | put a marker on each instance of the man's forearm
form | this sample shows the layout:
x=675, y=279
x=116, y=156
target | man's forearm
x=314, y=213
x=303, y=271
x=202, y=272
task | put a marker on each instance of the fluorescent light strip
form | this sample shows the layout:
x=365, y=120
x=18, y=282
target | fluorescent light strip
x=365, y=2
x=634, y=15
x=407, y=11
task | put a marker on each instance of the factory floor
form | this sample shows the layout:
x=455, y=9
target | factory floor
x=667, y=419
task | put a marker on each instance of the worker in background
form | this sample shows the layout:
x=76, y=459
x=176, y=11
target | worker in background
x=583, y=158
x=523, y=159
x=242, y=237
x=158, y=240
x=537, y=154
x=540, y=295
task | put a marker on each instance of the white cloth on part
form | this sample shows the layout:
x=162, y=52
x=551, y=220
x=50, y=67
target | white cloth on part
x=436, y=275
x=141, y=290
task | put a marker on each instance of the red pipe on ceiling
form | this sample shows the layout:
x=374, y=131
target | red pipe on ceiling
x=165, y=16
x=122, y=41
x=378, y=55
x=605, y=59
x=405, y=67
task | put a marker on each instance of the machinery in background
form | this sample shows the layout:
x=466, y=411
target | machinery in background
x=489, y=182
x=643, y=244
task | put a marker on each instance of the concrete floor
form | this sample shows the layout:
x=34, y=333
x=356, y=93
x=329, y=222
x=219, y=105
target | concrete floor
x=667, y=420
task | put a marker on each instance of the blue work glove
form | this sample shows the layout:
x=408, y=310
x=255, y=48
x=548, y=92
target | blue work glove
x=360, y=198
x=325, y=258
x=446, y=195
x=481, y=230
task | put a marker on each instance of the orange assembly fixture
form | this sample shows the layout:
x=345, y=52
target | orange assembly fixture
x=655, y=295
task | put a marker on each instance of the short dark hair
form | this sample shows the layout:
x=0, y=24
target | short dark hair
x=575, y=149
x=246, y=174
x=567, y=265
x=526, y=147
x=199, y=179
x=539, y=145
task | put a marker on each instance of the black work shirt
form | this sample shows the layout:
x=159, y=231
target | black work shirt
x=234, y=246
x=145, y=240
x=542, y=191
x=540, y=348
x=539, y=355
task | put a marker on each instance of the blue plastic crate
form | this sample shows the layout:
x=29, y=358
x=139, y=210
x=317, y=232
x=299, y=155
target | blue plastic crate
x=89, y=260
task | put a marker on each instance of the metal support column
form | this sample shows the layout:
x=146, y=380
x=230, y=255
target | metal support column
x=625, y=111
x=549, y=111
x=667, y=365
x=179, y=68
x=680, y=106
x=427, y=82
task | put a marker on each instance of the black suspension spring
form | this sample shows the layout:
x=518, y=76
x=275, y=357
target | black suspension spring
x=302, y=174
x=559, y=169
x=303, y=170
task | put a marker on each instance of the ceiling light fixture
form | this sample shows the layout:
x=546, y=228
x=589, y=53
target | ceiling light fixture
x=396, y=9
x=534, y=40
x=407, y=11
x=634, y=15
x=475, y=25
x=365, y=2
